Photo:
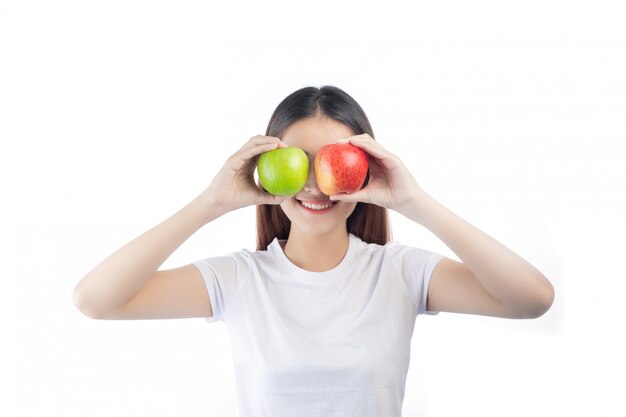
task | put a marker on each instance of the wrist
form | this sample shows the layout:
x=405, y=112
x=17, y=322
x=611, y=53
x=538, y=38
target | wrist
x=415, y=206
x=210, y=206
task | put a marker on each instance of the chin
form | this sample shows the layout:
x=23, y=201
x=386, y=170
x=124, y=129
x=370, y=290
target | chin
x=314, y=223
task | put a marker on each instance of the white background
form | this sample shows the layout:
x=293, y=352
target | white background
x=115, y=114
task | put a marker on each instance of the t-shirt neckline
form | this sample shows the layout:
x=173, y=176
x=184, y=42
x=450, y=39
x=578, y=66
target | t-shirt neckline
x=341, y=267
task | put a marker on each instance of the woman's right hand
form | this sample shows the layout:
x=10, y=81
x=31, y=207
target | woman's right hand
x=233, y=187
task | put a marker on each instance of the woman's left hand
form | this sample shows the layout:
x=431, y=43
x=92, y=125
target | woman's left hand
x=390, y=183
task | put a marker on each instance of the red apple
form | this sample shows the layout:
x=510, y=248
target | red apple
x=340, y=168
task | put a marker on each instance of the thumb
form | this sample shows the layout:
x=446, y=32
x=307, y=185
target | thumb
x=273, y=199
x=356, y=197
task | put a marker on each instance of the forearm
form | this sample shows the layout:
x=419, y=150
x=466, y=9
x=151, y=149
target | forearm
x=118, y=278
x=503, y=273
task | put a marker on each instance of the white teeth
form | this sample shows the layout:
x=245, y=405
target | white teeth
x=316, y=206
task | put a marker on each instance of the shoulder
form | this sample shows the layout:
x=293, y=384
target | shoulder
x=389, y=249
x=394, y=252
x=229, y=271
x=232, y=262
x=374, y=252
x=247, y=260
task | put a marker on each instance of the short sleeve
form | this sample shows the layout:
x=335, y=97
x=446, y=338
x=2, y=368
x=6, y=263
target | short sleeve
x=417, y=267
x=221, y=277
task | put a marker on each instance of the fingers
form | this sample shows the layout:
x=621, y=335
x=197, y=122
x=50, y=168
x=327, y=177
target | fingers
x=255, y=146
x=270, y=199
x=255, y=150
x=258, y=140
x=356, y=197
x=369, y=145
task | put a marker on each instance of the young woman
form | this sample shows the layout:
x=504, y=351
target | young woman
x=321, y=315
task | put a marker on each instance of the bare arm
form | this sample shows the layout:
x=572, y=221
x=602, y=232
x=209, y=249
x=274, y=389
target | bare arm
x=118, y=278
x=106, y=291
x=491, y=280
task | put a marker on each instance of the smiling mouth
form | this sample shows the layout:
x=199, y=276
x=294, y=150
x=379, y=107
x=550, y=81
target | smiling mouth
x=316, y=206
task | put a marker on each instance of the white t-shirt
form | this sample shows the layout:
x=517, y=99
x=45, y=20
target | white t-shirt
x=320, y=344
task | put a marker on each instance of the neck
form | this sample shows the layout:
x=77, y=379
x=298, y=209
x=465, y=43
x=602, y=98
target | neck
x=316, y=253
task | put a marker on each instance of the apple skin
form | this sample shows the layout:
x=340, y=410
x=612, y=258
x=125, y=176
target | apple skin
x=340, y=168
x=283, y=171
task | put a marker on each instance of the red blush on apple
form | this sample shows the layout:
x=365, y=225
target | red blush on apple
x=340, y=168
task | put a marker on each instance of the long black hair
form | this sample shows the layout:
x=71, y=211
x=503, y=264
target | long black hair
x=369, y=222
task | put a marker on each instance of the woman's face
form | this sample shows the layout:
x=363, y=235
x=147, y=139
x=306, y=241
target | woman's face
x=321, y=216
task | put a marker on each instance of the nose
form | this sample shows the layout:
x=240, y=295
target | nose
x=311, y=183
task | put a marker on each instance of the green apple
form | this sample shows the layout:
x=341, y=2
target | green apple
x=283, y=171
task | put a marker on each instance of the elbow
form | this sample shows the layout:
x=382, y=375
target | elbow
x=546, y=297
x=541, y=301
x=84, y=307
x=538, y=310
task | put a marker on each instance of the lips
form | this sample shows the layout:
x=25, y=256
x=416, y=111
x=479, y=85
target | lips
x=316, y=206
